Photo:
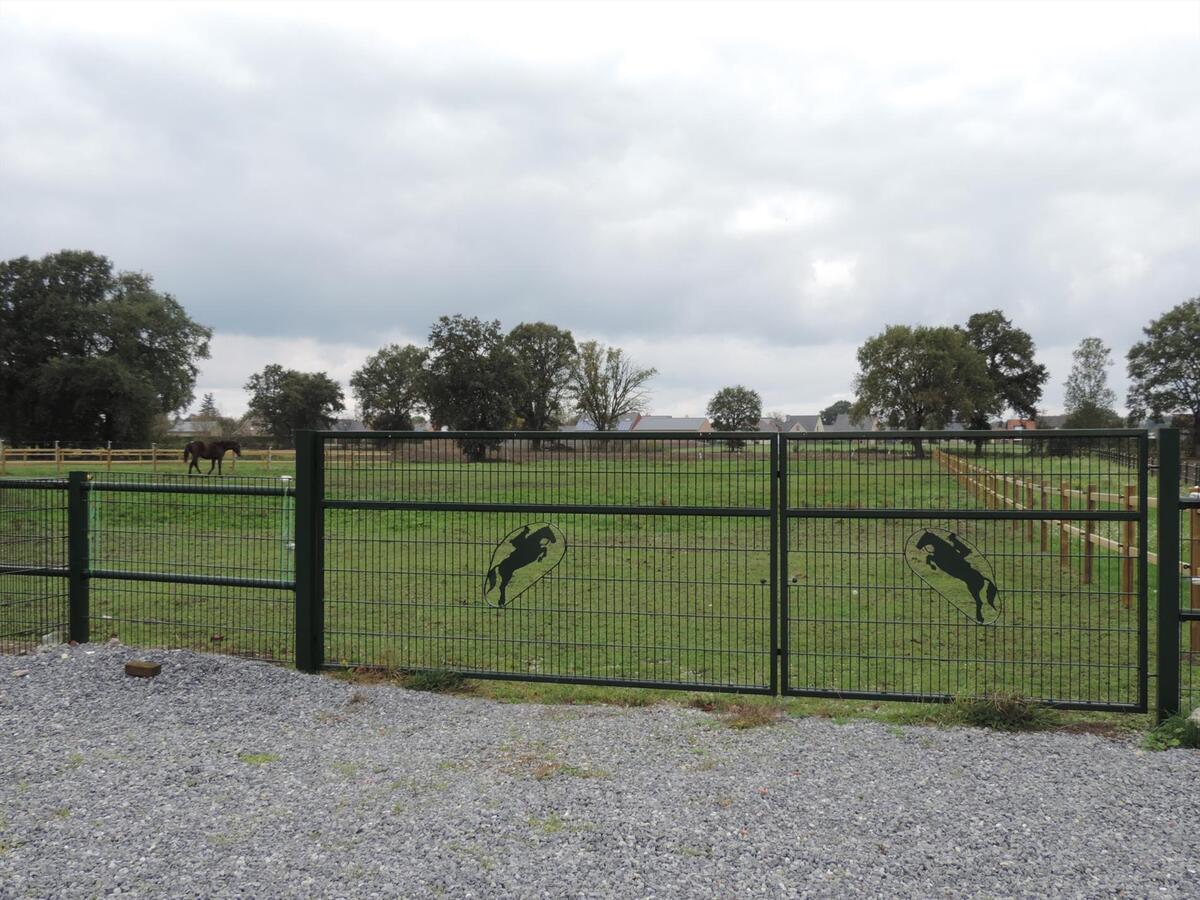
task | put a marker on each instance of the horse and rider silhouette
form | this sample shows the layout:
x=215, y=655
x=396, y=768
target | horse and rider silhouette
x=214, y=451
x=951, y=557
x=528, y=548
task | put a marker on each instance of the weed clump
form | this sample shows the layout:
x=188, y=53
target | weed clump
x=741, y=716
x=1172, y=734
x=434, y=680
x=1002, y=712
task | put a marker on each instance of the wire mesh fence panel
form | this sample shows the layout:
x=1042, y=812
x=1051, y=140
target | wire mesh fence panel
x=617, y=560
x=1189, y=602
x=33, y=541
x=938, y=568
x=157, y=544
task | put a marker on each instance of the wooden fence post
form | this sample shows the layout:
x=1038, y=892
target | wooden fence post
x=1029, y=504
x=1194, y=572
x=1127, y=550
x=3, y=462
x=1045, y=523
x=1087, y=536
x=57, y=459
x=154, y=457
x=108, y=461
x=1064, y=536
x=270, y=453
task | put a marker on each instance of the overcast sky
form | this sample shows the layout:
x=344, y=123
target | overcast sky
x=734, y=194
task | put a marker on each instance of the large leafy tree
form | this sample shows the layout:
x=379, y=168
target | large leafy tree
x=543, y=358
x=830, y=413
x=920, y=377
x=388, y=387
x=1165, y=368
x=469, y=381
x=1087, y=385
x=607, y=384
x=736, y=408
x=1008, y=355
x=87, y=354
x=285, y=400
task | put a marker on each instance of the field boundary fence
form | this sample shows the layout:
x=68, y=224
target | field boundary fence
x=918, y=566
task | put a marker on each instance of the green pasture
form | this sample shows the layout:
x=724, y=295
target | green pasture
x=647, y=598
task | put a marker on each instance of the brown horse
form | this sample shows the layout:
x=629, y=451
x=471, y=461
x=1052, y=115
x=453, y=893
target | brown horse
x=214, y=451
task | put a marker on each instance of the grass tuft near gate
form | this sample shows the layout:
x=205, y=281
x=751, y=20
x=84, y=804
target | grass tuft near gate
x=1002, y=712
x=1172, y=734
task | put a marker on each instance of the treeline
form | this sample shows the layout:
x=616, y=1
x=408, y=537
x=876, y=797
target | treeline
x=470, y=376
x=89, y=354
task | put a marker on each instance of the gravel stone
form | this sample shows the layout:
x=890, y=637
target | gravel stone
x=223, y=777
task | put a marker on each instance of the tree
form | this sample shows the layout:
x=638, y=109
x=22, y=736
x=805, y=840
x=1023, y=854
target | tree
x=607, y=384
x=285, y=400
x=544, y=357
x=1087, y=385
x=735, y=408
x=1007, y=352
x=918, y=377
x=88, y=355
x=208, y=408
x=1165, y=368
x=469, y=380
x=388, y=387
x=830, y=413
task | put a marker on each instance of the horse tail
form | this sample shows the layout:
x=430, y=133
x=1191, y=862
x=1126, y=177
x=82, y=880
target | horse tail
x=186, y=450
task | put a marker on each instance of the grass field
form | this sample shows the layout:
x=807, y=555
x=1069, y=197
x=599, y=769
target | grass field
x=642, y=598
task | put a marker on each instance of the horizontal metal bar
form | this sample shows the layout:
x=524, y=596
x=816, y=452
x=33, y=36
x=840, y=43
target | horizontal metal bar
x=1189, y=502
x=562, y=508
x=548, y=435
x=1189, y=615
x=33, y=484
x=167, y=488
x=171, y=578
x=55, y=571
x=902, y=697
x=573, y=679
x=1079, y=515
x=965, y=435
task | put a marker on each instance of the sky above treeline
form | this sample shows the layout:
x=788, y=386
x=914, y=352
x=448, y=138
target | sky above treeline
x=734, y=194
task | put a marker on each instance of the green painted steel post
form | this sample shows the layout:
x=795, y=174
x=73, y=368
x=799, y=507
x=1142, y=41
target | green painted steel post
x=310, y=640
x=1168, y=573
x=773, y=650
x=78, y=601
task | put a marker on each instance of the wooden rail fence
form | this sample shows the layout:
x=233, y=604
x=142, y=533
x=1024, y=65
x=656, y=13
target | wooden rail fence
x=1002, y=491
x=65, y=458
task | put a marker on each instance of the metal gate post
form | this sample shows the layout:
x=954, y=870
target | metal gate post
x=1168, y=573
x=310, y=606
x=775, y=568
x=78, y=600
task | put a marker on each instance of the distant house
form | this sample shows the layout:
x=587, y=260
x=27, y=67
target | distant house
x=1020, y=425
x=843, y=423
x=673, y=423
x=1051, y=421
x=193, y=427
x=803, y=425
x=625, y=423
x=348, y=425
x=771, y=426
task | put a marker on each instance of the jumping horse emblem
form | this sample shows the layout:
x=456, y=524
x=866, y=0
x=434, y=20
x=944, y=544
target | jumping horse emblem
x=521, y=559
x=957, y=570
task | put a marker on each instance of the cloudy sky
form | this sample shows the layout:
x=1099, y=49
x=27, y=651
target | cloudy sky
x=734, y=194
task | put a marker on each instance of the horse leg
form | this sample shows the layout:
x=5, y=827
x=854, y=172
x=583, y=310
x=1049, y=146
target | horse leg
x=212, y=464
x=505, y=577
x=975, y=589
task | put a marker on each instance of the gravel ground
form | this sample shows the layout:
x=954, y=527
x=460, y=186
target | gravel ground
x=223, y=777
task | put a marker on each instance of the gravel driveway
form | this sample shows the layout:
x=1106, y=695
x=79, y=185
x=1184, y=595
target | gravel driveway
x=223, y=777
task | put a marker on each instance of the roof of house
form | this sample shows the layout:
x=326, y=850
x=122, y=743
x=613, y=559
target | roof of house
x=670, y=423
x=625, y=423
x=806, y=423
x=347, y=425
x=844, y=423
x=768, y=424
x=193, y=426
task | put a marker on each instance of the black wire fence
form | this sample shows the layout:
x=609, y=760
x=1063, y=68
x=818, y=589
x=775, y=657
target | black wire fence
x=881, y=565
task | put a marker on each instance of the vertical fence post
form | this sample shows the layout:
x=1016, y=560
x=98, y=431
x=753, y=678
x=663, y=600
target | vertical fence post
x=1127, y=541
x=3, y=462
x=78, y=611
x=154, y=457
x=1045, y=545
x=108, y=457
x=1194, y=579
x=1064, y=536
x=1030, y=503
x=310, y=640
x=773, y=650
x=1087, y=536
x=57, y=459
x=1168, y=573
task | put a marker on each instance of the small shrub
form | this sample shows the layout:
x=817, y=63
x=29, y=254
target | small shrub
x=1172, y=734
x=1003, y=712
x=752, y=715
x=434, y=680
x=258, y=759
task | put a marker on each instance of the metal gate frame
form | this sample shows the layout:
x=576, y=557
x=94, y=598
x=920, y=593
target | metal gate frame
x=1140, y=516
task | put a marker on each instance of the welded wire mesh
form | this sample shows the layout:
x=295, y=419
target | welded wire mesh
x=1189, y=599
x=33, y=539
x=941, y=569
x=656, y=567
x=150, y=539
